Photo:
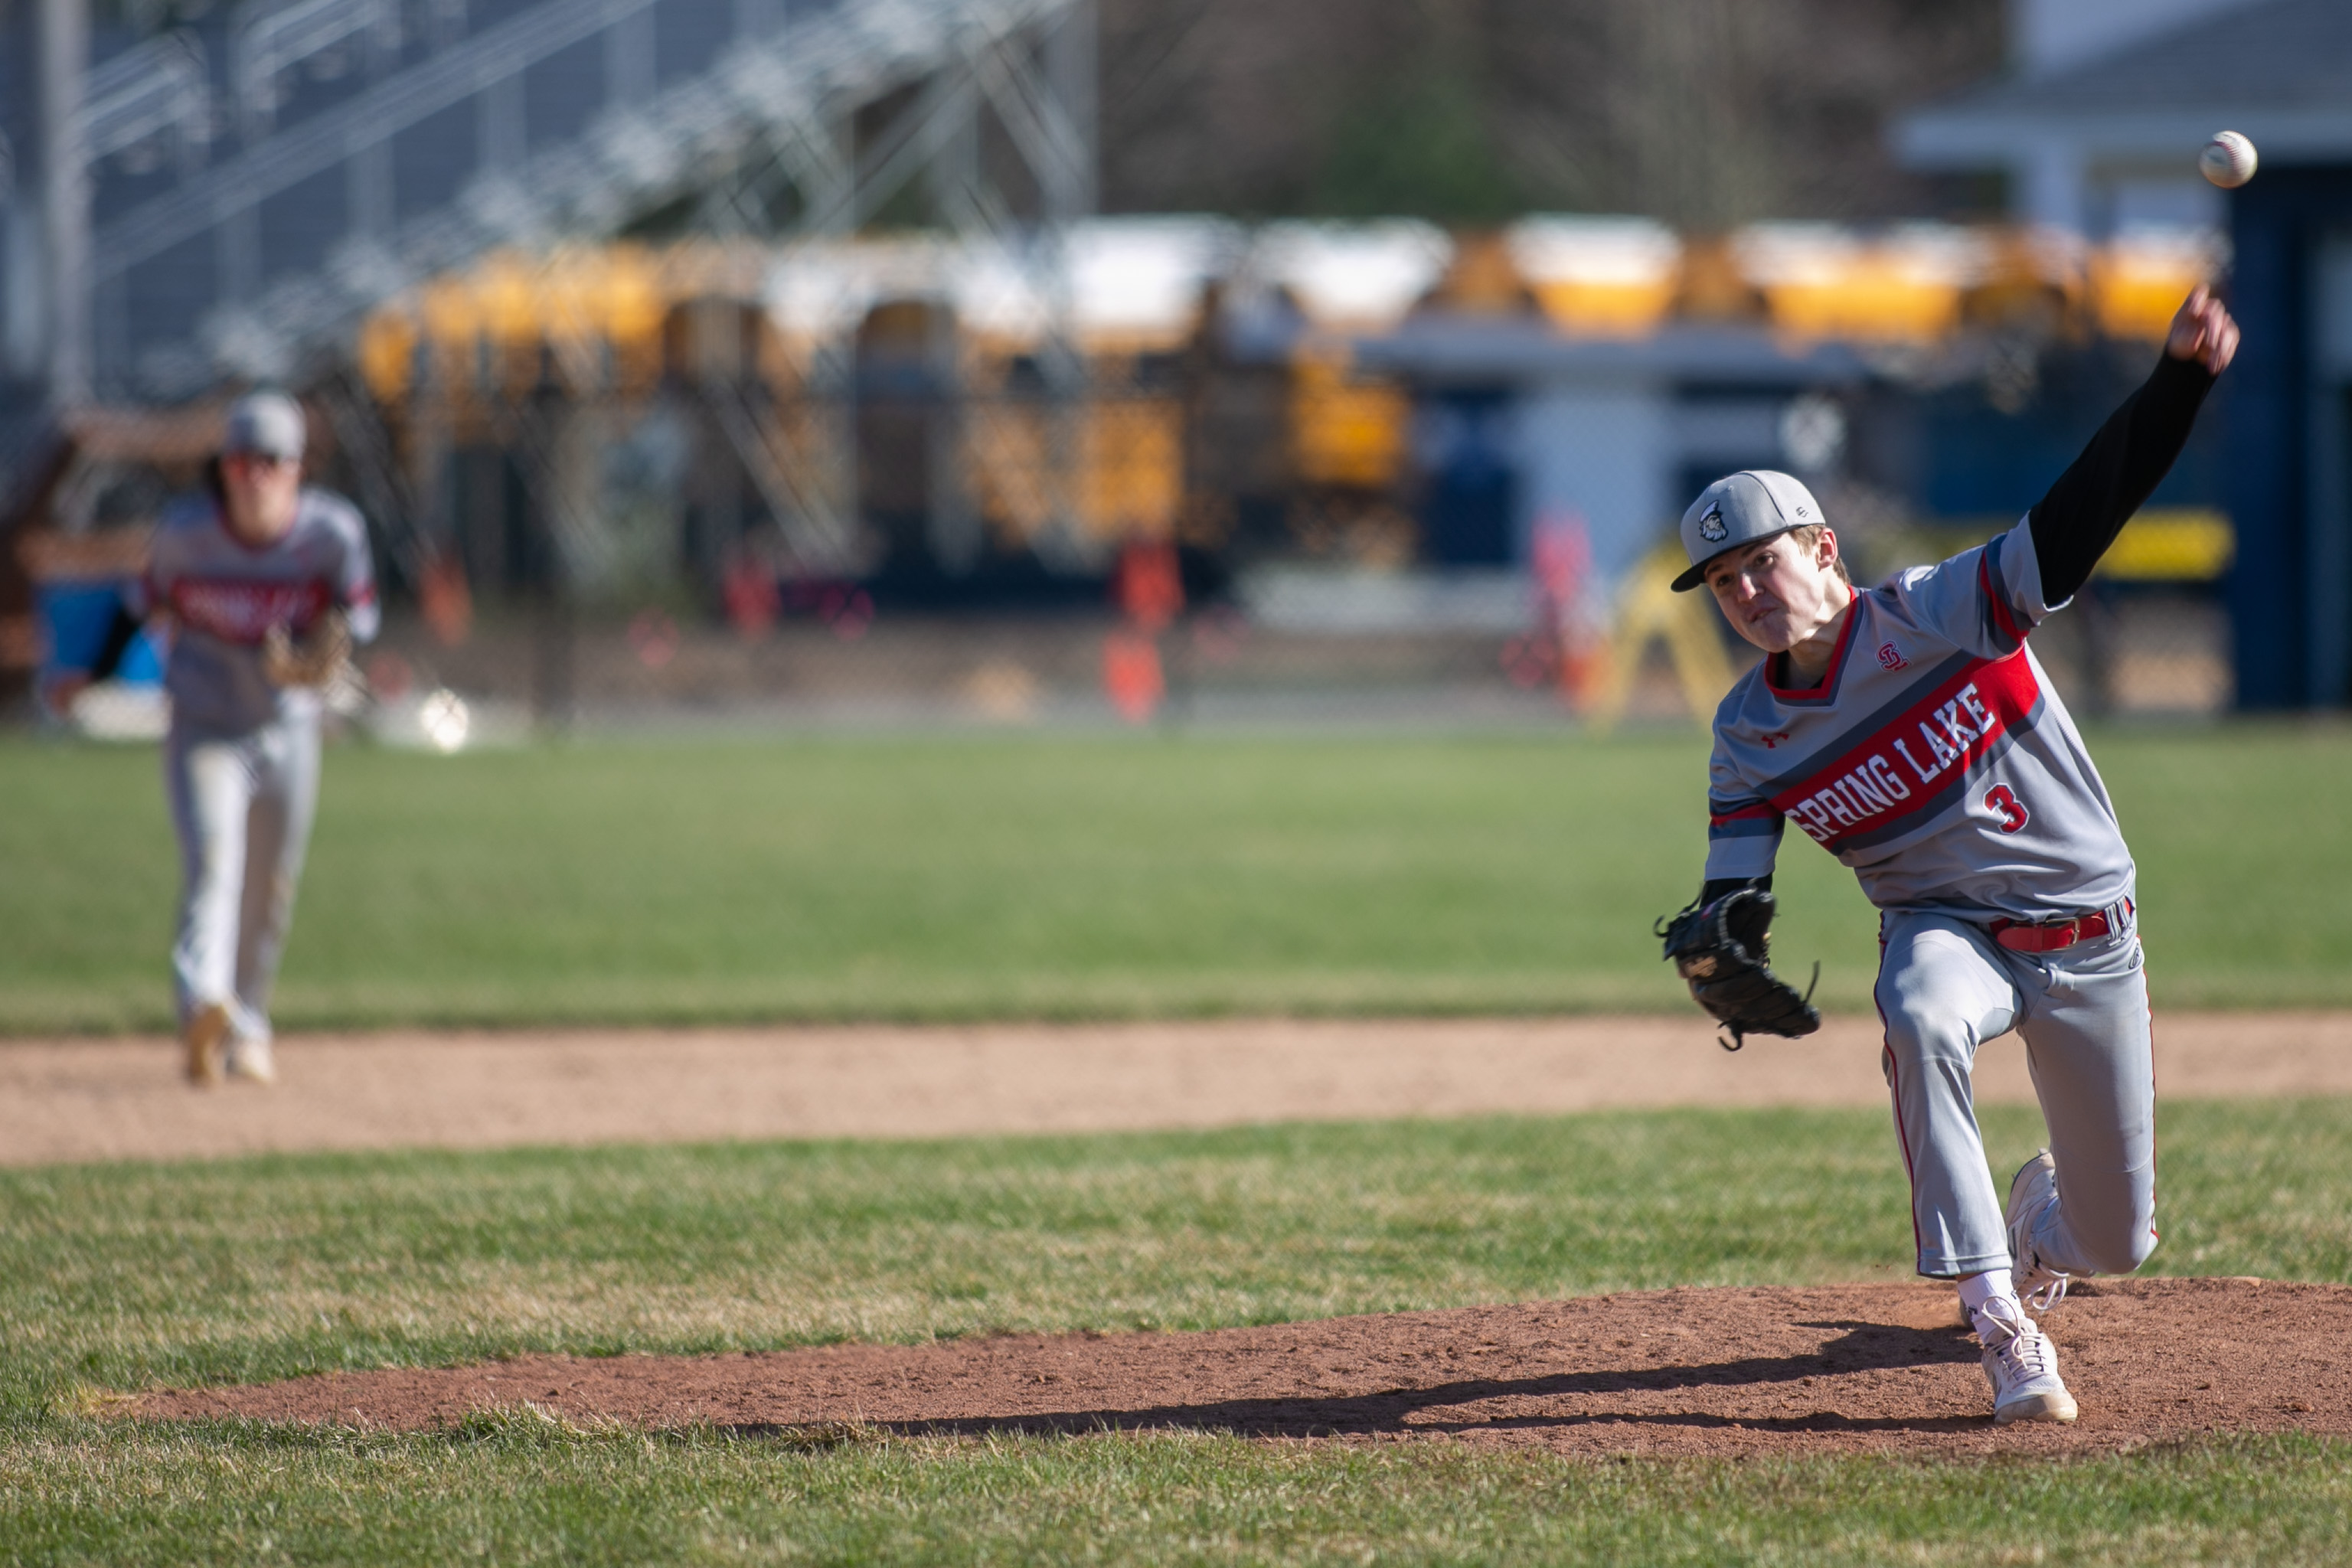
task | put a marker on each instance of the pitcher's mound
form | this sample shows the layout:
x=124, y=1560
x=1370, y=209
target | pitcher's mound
x=1667, y=1373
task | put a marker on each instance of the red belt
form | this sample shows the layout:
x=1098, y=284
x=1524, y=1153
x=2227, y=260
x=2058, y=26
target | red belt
x=2048, y=936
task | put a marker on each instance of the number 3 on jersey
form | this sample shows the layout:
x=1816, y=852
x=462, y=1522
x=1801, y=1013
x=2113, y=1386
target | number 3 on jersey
x=2003, y=803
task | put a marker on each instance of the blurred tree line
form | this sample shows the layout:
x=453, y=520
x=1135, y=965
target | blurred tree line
x=1703, y=113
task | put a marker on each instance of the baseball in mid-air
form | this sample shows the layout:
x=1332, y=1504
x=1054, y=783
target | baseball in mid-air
x=2227, y=159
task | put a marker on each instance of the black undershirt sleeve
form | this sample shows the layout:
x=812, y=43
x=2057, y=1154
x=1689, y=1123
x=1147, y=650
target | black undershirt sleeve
x=2075, y=523
x=1710, y=892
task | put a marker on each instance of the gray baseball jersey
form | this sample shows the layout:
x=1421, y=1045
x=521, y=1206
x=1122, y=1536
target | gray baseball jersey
x=1935, y=758
x=224, y=597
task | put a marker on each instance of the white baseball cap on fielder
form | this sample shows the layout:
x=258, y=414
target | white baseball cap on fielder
x=1740, y=509
x=268, y=424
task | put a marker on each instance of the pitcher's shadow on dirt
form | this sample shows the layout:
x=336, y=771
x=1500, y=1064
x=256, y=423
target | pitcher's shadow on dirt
x=1863, y=1347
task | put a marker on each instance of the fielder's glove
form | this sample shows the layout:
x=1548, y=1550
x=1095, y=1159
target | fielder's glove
x=311, y=659
x=1718, y=948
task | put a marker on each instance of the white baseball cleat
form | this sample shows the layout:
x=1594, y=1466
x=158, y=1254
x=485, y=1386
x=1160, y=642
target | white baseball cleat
x=252, y=1061
x=202, y=1035
x=2033, y=1189
x=2022, y=1365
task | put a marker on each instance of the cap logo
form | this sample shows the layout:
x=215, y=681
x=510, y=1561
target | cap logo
x=1802, y=512
x=1712, y=527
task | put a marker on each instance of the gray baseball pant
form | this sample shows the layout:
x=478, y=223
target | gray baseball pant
x=1944, y=987
x=242, y=807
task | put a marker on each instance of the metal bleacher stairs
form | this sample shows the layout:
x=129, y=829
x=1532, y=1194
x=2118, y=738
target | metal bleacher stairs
x=263, y=176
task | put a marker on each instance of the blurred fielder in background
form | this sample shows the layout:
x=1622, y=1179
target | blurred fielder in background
x=259, y=586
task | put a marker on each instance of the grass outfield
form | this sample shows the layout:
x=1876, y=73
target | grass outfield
x=1055, y=875
x=122, y=1277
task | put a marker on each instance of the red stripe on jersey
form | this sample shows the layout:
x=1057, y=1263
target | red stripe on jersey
x=1894, y=1093
x=2002, y=618
x=240, y=610
x=1914, y=757
x=1744, y=813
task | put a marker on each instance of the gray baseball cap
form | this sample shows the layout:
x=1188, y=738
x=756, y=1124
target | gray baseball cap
x=1740, y=509
x=268, y=424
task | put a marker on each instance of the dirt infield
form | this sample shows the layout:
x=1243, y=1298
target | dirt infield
x=1687, y=1371
x=1871, y=1367
x=100, y=1100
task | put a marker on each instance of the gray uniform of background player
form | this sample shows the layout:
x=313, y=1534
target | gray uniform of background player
x=241, y=759
x=1935, y=759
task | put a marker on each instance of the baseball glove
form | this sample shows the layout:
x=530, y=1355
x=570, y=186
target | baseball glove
x=311, y=659
x=1719, y=951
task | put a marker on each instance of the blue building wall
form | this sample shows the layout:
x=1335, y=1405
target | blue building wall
x=2278, y=223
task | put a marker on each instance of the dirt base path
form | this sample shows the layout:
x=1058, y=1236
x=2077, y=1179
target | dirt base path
x=1666, y=1372
x=101, y=1099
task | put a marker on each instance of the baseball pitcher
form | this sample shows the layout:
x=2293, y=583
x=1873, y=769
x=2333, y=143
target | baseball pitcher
x=1909, y=731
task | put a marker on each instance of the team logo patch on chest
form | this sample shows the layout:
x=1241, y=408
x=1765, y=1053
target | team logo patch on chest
x=1891, y=656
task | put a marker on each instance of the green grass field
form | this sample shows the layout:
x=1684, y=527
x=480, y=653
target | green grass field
x=514, y=1491
x=1044, y=876
x=985, y=876
x=121, y=1277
